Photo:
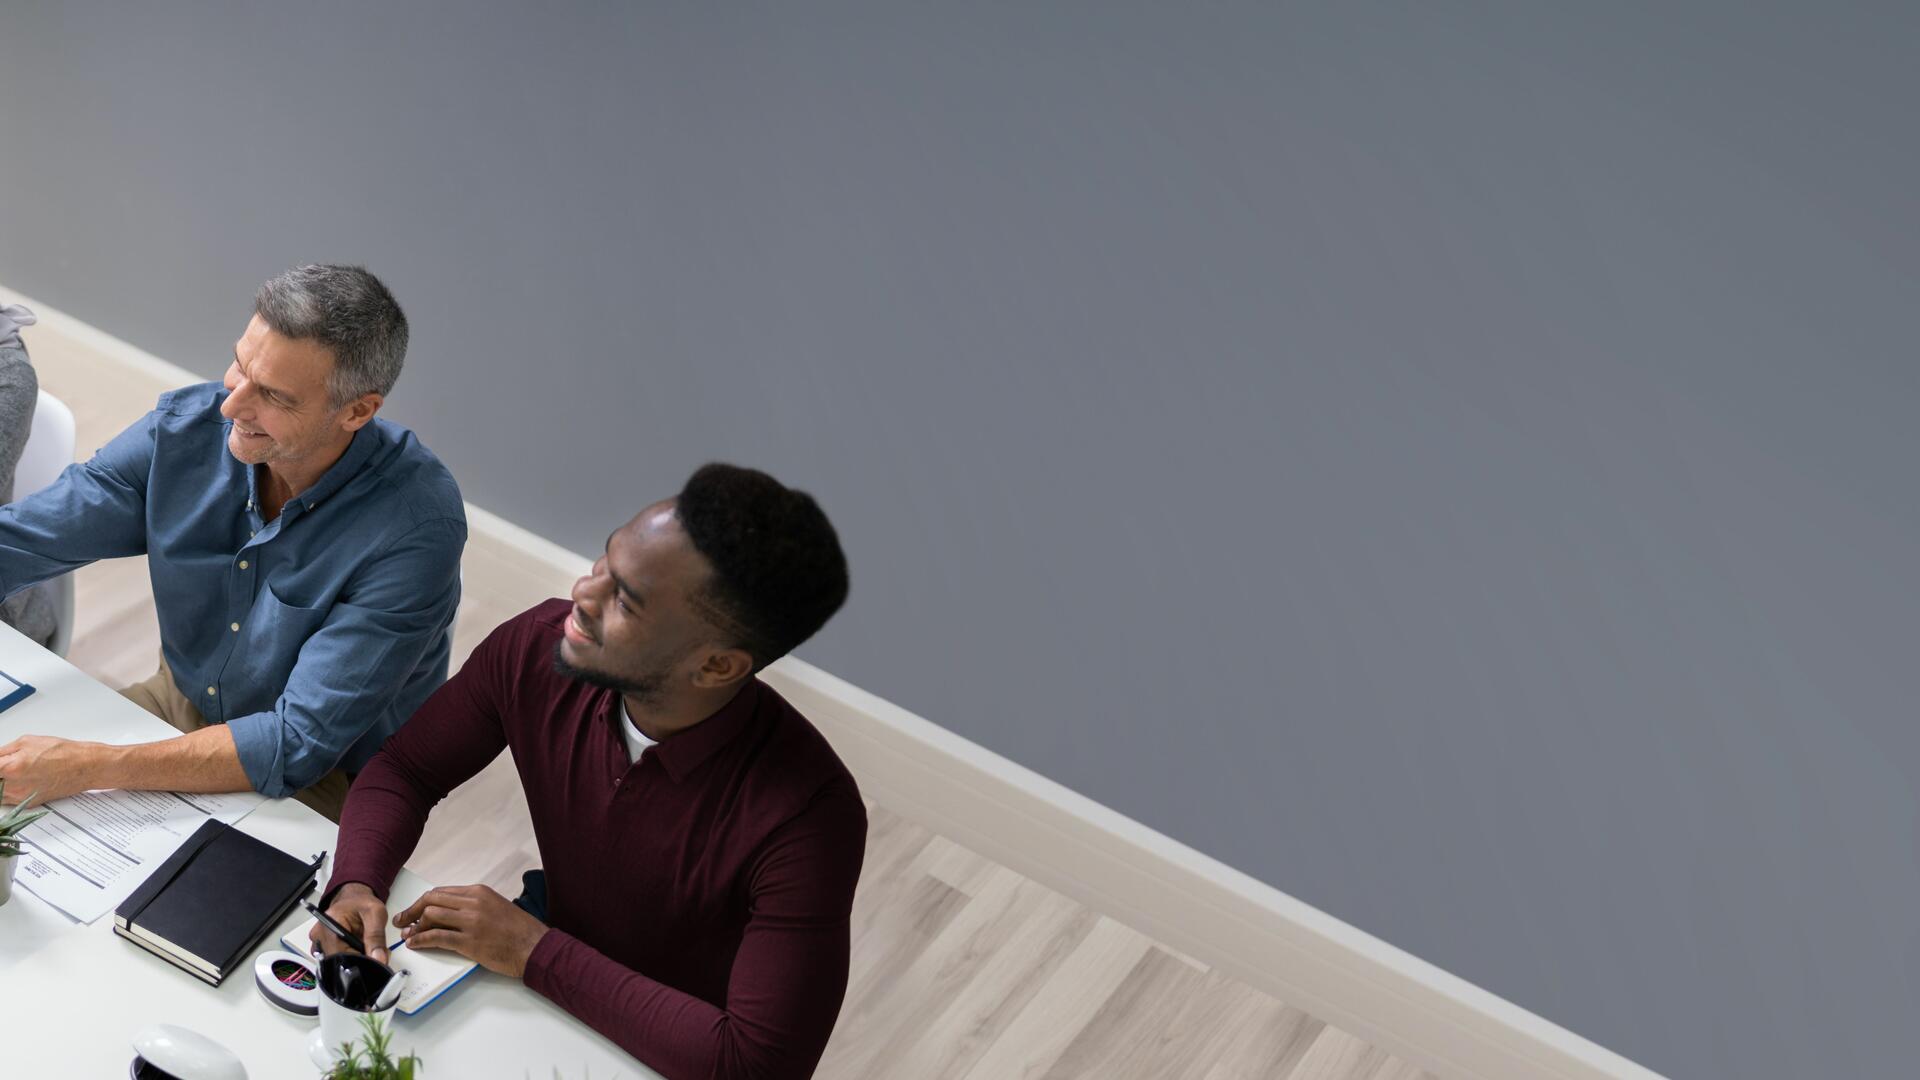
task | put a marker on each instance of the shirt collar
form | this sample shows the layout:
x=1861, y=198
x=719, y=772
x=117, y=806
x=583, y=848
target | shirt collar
x=683, y=752
x=365, y=442
x=632, y=729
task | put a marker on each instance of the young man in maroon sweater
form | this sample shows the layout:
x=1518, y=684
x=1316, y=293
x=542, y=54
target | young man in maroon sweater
x=699, y=840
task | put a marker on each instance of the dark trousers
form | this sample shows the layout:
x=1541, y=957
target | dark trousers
x=533, y=894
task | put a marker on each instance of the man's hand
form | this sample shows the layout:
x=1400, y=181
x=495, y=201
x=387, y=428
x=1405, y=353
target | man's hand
x=356, y=908
x=53, y=767
x=475, y=922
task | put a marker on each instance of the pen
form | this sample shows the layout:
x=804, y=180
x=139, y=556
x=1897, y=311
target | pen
x=353, y=941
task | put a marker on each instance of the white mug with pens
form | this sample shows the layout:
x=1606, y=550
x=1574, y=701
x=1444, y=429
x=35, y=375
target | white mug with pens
x=355, y=991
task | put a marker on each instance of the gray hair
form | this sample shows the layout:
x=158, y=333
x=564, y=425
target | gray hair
x=347, y=310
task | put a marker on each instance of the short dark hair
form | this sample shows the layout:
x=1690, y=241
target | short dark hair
x=778, y=571
x=349, y=311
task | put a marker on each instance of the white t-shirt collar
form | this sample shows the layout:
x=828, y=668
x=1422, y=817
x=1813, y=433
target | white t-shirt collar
x=636, y=740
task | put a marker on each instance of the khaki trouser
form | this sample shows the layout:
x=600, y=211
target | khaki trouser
x=159, y=696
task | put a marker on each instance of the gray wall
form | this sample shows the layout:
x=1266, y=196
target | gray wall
x=1455, y=465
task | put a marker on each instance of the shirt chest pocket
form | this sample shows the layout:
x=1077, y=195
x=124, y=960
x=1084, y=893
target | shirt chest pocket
x=271, y=638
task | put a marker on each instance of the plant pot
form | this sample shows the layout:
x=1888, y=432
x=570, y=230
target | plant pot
x=6, y=876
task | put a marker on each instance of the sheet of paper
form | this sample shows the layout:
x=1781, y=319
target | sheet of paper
x=95, y=848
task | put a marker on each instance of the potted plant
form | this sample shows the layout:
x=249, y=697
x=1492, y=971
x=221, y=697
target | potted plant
x=12, y=822
x=372, y=1058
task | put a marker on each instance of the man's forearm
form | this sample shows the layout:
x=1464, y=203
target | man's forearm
x=381, y=823
x=203, y=760
x=778, y=1031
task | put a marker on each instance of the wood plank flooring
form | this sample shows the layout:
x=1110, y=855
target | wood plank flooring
x=961, y=969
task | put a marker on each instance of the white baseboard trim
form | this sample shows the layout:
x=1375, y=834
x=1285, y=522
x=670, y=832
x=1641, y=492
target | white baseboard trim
x=1113, y=864
x=85, y=335
x=534, y=546
x=1178, y=896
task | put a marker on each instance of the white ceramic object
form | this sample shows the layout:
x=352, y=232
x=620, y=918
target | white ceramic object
x=317, y=1051
x=187, y=1054
x=340, y=1025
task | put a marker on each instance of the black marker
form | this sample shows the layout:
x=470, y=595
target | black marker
x=341, y=932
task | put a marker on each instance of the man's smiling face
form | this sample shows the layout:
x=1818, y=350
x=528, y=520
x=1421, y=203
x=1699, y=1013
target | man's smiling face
x=633, y=627
x=279, y=402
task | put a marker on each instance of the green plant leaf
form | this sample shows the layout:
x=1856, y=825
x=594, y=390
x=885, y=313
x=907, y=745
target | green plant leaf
x=11, y=827
x=372, y=1058
x=13, y=820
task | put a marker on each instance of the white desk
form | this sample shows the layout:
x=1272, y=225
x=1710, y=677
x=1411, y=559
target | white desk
x=73, y=995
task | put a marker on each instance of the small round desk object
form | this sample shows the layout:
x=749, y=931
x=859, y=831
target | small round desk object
x=291, y=982
x=166, y=1052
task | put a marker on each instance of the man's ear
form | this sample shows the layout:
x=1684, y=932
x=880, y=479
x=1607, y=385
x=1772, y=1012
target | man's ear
x=723, y=667
x=360, y=410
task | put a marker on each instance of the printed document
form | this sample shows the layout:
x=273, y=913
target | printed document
x=93, y=849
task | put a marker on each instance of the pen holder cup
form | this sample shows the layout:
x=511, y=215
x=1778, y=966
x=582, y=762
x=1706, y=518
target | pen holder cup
x=350, y=984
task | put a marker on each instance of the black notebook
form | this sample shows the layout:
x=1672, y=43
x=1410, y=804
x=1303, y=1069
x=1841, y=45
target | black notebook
x=206, y=907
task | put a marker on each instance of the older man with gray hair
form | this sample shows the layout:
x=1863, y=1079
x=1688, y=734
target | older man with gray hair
x=305, y=558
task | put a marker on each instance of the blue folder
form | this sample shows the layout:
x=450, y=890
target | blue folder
x=15, y=691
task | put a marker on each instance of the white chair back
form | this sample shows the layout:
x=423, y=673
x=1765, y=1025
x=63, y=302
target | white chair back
x=48, y=452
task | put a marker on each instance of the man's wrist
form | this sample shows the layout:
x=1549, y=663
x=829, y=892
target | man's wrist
x=337, y=888
x=532, y=946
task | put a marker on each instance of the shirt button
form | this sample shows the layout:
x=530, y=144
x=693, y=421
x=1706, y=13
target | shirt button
x=235, y=627
x=243, y=564
x=211, y=692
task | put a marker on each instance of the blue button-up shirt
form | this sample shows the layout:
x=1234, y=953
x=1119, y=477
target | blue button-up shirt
x=313, y=636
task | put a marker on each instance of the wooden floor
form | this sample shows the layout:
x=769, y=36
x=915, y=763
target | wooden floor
x=960, y=967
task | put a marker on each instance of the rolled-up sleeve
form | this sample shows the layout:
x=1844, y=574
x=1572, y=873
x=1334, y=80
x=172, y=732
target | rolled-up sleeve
x=459, y=730
x=348, y=673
